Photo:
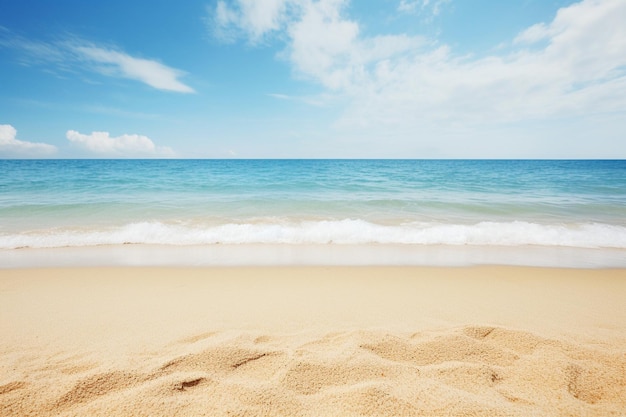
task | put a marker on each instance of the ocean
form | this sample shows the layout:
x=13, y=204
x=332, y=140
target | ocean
x=554, y=212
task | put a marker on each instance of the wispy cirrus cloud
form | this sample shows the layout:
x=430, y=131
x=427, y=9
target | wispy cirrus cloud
x=119, y=64
x=12, y=147
x=73, y=54
x=431, y=7
x=126, y=145
x=318, y=100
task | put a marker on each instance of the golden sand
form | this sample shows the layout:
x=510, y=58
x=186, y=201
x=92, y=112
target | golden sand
x=312, y=341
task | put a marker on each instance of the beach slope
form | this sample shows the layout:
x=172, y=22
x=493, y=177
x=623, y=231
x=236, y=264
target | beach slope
x=312, y=341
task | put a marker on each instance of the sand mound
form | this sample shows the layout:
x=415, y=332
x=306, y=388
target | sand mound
x=468, y=371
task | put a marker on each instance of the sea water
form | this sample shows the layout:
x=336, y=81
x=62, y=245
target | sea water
x=396, y=211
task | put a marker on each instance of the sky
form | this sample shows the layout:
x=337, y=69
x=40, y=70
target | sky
x=313, y=79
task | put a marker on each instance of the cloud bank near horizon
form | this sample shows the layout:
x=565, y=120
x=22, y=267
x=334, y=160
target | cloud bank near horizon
x=102, y=144
x=10, y=146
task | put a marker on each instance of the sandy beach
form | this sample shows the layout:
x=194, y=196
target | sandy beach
x=313, y=341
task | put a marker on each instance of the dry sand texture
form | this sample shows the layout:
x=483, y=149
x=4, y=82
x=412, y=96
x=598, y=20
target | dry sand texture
x=313, y=342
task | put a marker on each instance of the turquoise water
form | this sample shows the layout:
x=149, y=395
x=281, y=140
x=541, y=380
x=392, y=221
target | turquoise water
x=78, y=203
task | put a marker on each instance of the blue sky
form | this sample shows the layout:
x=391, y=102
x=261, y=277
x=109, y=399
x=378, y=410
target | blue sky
x=313, y=78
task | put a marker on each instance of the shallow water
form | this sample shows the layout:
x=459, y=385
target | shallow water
x=419, y=203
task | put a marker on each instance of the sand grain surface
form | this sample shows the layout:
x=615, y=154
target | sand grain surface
x=312, y=342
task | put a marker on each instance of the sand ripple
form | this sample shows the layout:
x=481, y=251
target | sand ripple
x=468, y=371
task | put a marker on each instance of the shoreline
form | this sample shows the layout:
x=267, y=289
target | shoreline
x=322, y=340
x=265, y=255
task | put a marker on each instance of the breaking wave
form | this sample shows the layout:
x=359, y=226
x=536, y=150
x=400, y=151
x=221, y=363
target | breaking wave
x=347, y=231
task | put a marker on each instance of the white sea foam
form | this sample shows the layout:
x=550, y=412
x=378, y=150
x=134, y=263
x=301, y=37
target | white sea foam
x=340, y=232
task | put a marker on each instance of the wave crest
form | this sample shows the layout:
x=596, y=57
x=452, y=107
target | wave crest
x=347, y=231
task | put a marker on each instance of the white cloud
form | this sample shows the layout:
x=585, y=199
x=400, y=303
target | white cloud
x=422, y=92
x=150, y=72
x=103, y=144
x=579, y=71
x=251, y=18
x=9, y=146
x=74, y=54
x=223, y=22
x=535, y=33
x=322, y=44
